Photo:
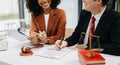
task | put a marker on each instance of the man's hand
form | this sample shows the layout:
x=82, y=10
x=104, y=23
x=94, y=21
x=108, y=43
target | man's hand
x=59, y=45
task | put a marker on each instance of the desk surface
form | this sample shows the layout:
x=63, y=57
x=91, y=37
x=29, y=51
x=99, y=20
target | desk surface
x=12, y=56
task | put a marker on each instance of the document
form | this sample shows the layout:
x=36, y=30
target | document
x=16, y=35
x=51, y=52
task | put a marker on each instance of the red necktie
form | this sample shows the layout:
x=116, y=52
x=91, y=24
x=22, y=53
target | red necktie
x=93, y=25
x=92, y=28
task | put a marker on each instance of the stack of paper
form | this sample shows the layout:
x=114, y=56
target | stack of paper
x=51, y=52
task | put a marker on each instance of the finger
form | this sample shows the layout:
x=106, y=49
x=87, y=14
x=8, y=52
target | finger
x=44, y=32
x=57, y=46
x=64, y=44
x=32, y=42
x=32, y=35
x=40, y=32
x=42, y=38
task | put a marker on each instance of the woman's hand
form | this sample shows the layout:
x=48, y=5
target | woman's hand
x=34, y=40
x=43, y=37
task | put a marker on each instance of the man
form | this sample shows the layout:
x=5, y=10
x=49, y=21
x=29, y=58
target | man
x=107, y=26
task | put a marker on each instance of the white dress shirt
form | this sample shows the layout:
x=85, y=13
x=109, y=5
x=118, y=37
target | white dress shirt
x=46, y=20
x=97, y=17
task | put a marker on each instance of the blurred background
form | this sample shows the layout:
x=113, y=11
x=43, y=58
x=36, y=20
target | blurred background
x=13, y=13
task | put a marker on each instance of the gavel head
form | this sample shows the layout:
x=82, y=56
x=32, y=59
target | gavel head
x=26, y=49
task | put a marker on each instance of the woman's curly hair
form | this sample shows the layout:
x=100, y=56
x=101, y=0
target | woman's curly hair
x=35, y=9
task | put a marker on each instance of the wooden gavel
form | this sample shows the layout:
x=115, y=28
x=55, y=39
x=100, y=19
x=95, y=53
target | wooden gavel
x=27, y=51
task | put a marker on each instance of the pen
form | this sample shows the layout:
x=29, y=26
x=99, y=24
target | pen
x=19, y=30
x=60, y=43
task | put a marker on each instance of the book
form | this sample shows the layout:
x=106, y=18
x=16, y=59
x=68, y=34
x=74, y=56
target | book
x=97, y=59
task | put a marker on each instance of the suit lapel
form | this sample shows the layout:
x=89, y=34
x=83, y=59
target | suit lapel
x=41, y=22
x=87, y=23
x=51, y=21
x=102, y=23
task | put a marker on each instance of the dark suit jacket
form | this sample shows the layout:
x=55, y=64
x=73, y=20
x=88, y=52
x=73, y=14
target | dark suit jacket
x=108, y=29
x=56, y=25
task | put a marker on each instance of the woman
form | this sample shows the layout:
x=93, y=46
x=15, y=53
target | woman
x=47, y=21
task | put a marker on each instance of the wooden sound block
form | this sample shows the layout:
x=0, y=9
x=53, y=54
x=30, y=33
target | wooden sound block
x=37, y=47
x=26, y=54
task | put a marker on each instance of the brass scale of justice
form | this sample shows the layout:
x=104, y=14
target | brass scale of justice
x=83, y=46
